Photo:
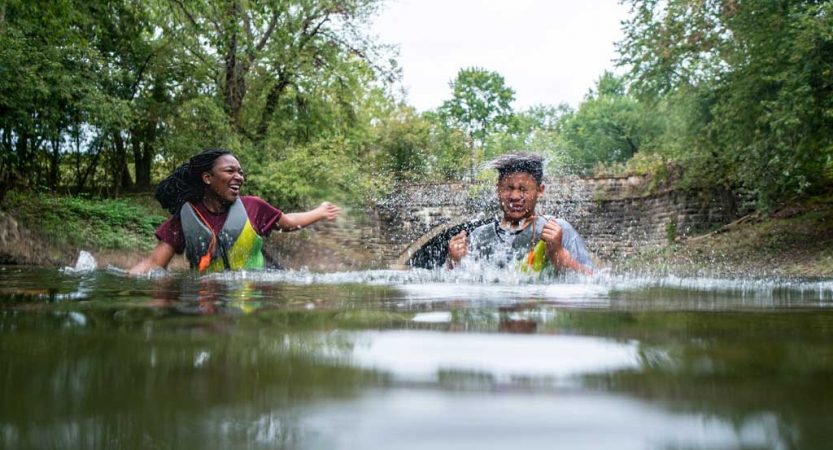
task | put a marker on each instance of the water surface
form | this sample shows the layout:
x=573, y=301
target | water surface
x=409, y=360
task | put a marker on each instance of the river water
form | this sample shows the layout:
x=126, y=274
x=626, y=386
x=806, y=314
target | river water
x=471, y=359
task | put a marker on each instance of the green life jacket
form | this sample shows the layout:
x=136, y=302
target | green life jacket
x=237, y=246
x=536, y=259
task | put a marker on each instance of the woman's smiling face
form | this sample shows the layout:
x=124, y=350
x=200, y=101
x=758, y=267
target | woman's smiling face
x=225, y=180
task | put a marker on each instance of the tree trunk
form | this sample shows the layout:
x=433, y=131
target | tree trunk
x=82, y=180
x=126, y=180
x=5, y=175
x=271, y=105
x=54, y=164
x=235, y=85
x=142, y=161
x=121, y=174
x=24, y=159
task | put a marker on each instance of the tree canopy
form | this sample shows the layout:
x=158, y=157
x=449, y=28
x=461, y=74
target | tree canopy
x=108, y=96
x=609, y=126
x=756, y=79
x=97, y=95
x=480, y=105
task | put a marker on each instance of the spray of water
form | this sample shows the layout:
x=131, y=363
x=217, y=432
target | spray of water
x=85, y=263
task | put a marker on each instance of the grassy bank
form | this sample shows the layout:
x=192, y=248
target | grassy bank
x=54, y=229
x=124, y=224
x=796, y=241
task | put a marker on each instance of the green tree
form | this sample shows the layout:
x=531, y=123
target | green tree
x=481, y=104
x=759, y=77
x=108, y=95
x=47, y=85
x=538, y=129
x=258, y=51
x=138, y=73
x=81, y=94
x=609, y=125
x=402, y=142
x=339, y=139
x=448, y=149
x=298, y=81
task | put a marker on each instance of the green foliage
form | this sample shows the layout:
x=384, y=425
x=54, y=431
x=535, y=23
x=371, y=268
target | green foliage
x=86, y=222
x=450, y=155
x=758, y=77
x=307, y=173
x=110, y=96
x=659, y=171
x=267, y=60
x=403, y=145
x=671, y=231
x=481, y=104
x=649, y=164
x=536, y=130
x=344, y=144
x=609, y=125
x=48, y=83
x=198, y=124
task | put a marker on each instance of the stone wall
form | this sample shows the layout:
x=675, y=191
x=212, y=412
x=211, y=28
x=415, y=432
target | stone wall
x=615, y=215
x=618, y=216
x=414, y=211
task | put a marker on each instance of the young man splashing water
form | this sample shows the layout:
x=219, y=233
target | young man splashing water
x=521, y=236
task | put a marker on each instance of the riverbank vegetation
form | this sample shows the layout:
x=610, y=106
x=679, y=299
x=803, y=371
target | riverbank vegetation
x=74, y=223
x=101, y=99
x=794, y=242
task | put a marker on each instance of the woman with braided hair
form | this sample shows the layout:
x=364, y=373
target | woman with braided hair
x=215, y=226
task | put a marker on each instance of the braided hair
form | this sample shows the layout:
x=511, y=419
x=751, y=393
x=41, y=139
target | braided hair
x=519, y=162
x=185, y=184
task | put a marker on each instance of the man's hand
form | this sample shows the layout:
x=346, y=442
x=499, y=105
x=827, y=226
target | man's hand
x=551, y=234
x=558, y=255
x=458, y=247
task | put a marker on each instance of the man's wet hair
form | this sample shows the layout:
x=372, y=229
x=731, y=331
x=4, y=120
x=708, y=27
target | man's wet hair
x=185, y=184
x=519, y=163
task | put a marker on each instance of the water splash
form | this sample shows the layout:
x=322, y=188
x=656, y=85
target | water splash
x=481, y=283
x=750, y=286
x=85, y=263
x=468, y=274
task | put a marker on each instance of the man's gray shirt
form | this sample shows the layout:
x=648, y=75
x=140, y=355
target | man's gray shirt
x=500, y=246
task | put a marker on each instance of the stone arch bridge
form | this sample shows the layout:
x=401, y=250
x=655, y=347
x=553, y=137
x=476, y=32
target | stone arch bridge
x=615, y=215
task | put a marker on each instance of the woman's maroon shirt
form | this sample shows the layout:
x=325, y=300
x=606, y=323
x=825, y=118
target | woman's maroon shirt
x=262, y=215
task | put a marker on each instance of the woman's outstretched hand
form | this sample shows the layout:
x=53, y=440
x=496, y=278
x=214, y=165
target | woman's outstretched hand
x=328, y=210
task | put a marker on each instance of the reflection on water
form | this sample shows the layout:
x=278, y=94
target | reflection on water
x=416, y=359
x=418, y=419
x=499, y=358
